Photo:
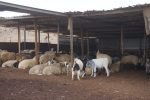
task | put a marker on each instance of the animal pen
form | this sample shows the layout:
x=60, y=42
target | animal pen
x=115, y=32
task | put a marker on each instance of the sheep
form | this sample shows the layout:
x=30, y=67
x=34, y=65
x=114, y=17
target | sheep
x=130, y=59
x=98, y=63
x=27, y=63
x=147, y=65
x=5, y=56
x=10, y=63
x=62, y=58
x=49, y=55
x=21, y=57
x=37, y=69
x=29, y=52
x=55, y=69
x=77, y=68
x=101, y=55
x=88, y=71
x=1, y=62
x=115, y=67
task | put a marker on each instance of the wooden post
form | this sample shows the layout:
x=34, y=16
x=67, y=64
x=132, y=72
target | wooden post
x=36, y=45
x=88, y=46
x=82, y=45
x=19, y=39
x=39, y=37
x=48, y=41
x=97, y=43
x=25, y=38
x=70, y=28
x=144, y=46
x=58, y=38
x=121, y=42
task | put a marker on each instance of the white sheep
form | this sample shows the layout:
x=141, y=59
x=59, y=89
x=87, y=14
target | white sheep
x=55, y=69
x=98, y=63
x=27, y=63
x=147, y=65
x=62, y=58
x=5, y=56
x=88, y=70
x=37, y=69
x=77, y=68
x=130, y=59
x=115, y=67
x=10, y=63
x=49, y=55
x=101, y=55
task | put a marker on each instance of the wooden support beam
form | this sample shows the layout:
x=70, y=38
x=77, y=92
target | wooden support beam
x=58, y=38
x=70, y=28
x=48, y=40
x=39, y=37
x=88, y=49
x=19, y=39
x=121, y=41
x=36, y=44
x=144, y=45
x=25, y=38
x=82, y=45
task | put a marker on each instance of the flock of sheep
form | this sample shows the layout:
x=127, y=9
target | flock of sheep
x=56, y=64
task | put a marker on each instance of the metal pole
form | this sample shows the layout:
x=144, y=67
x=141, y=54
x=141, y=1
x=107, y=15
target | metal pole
x=36, y=45
x=58, y=38
x=25, y=37
x=122, y=45
x=19, y=39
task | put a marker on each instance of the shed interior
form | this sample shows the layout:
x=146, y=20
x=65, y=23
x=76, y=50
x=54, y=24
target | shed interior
x=115, y=32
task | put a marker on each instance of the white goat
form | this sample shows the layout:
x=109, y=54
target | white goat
x=101, y=55
x=98, y=63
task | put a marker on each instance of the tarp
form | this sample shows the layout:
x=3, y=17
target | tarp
x=146, y=13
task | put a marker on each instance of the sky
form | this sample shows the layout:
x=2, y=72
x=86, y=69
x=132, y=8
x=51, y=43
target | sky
x=76, y=5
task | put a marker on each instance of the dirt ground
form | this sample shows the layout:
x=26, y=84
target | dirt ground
x=16, y=84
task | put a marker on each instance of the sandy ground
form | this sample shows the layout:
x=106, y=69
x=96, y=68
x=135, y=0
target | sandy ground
x=16, y=84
